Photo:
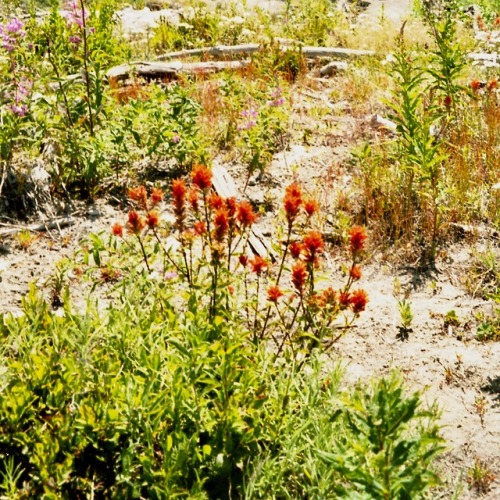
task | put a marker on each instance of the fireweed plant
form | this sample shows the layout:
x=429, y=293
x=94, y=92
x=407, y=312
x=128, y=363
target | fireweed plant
x=207, y=247
x=15, y=85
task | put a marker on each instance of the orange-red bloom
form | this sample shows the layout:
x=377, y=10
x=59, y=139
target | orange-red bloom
x=292, y=201
x=152, y=218
x=330, y=296
x=359, y=299
x=200, y=228
x=357, y=238
x=221, y=223
x=447, y=101
x=245, y=214
x=117, y=229
x=344, y=299
x=202, y=177
x=215, y=201
x=231, y=206
x=243, y=260
x=179, y=192
x=179, y=195
x=492, y=84
x=296, y=248
x=192, y=197
x=299, y=275
x=475, y=85
x=274, y=293
x=156, y=196
x=258, y=265
x=140, y=195
x=135, y=222
x=314, y=245
x=355, y=273
x=311, y=206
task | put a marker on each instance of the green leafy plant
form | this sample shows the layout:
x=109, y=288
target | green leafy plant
x=380, y=455
x=479, y=476
x=406, y=316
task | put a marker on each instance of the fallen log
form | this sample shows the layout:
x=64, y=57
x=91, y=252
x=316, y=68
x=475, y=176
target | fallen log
x=336, y=52
x=218, y=51
x=154, y=70
x=251, y=48
x=36, y=228
x=225, y=186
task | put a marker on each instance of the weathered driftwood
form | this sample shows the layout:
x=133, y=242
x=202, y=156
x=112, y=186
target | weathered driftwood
x=307, y=51
x=225, y=186
x=336, y=52
x=333, y=67
x=380, y=122
x=152, y=70
x=219, y=51
x=35, y=228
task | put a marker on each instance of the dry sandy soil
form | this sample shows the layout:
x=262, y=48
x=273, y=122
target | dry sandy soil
x=446, y=362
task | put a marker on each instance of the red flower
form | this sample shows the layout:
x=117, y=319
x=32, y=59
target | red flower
x=231, y=207
x=243, y=260
x=475, y=85
x=117, y=229
x=274, y=293
x=258, y=265
x=357, y=236
x=179, y=195
x=355, y=273
x=299, y=275
x=344, y=299
x=152, y=218
x=202, y=177
x=221, y=223
x=292, y=201
x=296, y=248
x=492, y=84
x=245, y=214
x=192, y=197
x=140, y=195
x=311, y=206
x=330, y=296
x=215, y=201
x=448, y=100
x=156, y=196
x=179, y=192
x=200, y=228
x=314, y=245
x=359, y=299
x=135, y=222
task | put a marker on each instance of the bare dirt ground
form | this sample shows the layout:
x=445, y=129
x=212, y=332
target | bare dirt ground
x=445, y=361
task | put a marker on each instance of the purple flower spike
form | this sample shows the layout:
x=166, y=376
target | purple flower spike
x=14, y=26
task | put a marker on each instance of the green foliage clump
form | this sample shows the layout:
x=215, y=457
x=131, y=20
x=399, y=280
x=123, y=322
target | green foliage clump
x=146, y=401
x=173, y=388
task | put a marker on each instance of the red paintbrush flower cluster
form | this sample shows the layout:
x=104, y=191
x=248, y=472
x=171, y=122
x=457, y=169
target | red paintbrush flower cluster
x=357, y=236
x=259, y=265
x=202, y=177
x=135, y=222
x=274, y=293
x=292, y=201
x=139, y=195
x=299, y=276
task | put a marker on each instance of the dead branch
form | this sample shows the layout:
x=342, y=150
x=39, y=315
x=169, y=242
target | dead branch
x=307, y=51
x=225, y=186
x=219, y=51
x=153, y=70
x=34, y=228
